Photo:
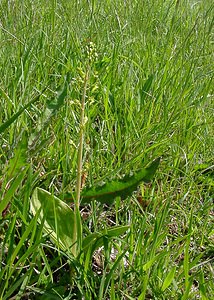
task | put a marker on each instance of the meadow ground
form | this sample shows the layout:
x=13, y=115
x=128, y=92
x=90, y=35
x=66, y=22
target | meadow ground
x=144, y=72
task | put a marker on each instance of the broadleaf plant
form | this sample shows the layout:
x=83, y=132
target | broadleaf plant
x=119, y=188
x=57, y=216
x=58, y=221
x=63, y=224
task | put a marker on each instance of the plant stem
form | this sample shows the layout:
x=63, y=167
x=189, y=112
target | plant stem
x=81, y=139
x=78, y=222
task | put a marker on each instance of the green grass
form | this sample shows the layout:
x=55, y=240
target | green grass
x=150, y=94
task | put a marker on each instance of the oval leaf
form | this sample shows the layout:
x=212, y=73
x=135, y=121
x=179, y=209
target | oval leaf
x=57, y=216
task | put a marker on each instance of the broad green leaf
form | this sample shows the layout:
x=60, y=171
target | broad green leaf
x=168, y=279
x=122, y=188
x=57, y=216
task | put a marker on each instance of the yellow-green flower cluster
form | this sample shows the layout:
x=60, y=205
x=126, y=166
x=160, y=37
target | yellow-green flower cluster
x=91, y=52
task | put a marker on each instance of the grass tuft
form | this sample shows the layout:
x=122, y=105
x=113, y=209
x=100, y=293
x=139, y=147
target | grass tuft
x=149, y=94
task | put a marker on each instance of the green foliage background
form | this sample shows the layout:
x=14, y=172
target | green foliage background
x=150, y=94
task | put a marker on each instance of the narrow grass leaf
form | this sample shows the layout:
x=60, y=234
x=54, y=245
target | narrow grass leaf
x=47, y=265
x=10, y=121
x=22, y=288
x=22, y=240
x=8, y=243
x=20, y=157
x=168, y=279
x=127, y=296
x=157, y=257
x=148, y=265
x=146, y=87
x=95, y=240
x=53, y=106
x=13, y=187
x=112, y=271
x=187, y=292
x=202, y=287
x=14, y=287
x=112, y=289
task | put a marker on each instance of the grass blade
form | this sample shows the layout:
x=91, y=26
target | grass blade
x=9, y=194
x=168, y=279
x=7, y=124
